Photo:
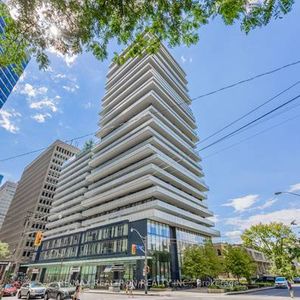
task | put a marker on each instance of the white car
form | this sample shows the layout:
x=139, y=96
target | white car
x=280, y=282
x=31, y=290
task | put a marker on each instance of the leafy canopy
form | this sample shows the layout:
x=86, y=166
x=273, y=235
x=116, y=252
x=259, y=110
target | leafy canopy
x=277, y=241
x=4, y=250
x=71, y=26
x=201, y=261
x=238, y=262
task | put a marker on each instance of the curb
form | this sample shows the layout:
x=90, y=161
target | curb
x=250, y=291
x=124, y=294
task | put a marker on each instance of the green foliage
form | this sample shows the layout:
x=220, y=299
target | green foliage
x=278, y=242
x=238, y=262
x=72, y=26
x=201, y=261
x=88, y=145
x=4, y=250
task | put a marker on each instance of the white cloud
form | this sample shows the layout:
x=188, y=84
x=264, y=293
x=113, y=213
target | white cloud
x=294, y=188
x=267, y=204
x=71, y=88
x=285, y=216
x=41, y=118
x=186, y=59
x=68, y=58
x=183, y=59
x=233, y=236
x=214, y=218
x=60, y=76
x=242, y=203
x=88, y=105
x=7, y=120
x=44, y=104
x=32, y=91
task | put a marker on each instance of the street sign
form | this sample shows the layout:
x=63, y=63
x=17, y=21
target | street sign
x=35, y=271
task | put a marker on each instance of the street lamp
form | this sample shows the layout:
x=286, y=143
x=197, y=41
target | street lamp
x=279, y=193
x=144, y=240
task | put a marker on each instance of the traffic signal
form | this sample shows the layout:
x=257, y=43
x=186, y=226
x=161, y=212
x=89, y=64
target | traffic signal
x=38, y=238
x=133, y=249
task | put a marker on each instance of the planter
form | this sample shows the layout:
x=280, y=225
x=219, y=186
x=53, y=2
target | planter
x=215, y=291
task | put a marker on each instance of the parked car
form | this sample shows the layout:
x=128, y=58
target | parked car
x=280, y=282
x=59, y=291
x=17, y=284
x=297, y=280
x=266, y=279
x=9, y=290
x=32, y=290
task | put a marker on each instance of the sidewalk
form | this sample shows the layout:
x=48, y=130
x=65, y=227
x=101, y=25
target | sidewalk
x=135, y=292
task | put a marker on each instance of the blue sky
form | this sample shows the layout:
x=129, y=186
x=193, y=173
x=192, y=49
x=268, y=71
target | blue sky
x=64, y=102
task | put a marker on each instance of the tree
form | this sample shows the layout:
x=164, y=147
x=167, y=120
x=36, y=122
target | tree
x=201, y=261
x=71, y=26
x=4, y=250
x=277, y=241
x=238, y=262
x=88, y=145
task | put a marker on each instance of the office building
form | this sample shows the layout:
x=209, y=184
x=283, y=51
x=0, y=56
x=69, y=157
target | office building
x=7, y=192
x=31, y=204
x=144, y=175
x=9, y=76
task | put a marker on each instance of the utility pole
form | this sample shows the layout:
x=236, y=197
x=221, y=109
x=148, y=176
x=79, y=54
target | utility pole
x=145, y=243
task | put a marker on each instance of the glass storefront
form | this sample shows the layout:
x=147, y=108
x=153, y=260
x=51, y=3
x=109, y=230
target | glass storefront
x=158, y=235
x=91, y=275
x=106, y=242
x=185, y=238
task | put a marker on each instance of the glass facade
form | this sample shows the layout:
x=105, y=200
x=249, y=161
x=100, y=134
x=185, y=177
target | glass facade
x=8, y=75
x=185, y=238
x=104, y=244
x=158, y=235
x=99, y=241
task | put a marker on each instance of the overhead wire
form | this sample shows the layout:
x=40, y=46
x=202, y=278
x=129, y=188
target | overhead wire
x=249, y=123
x=250, y=137
x=192, y=99
x=249, y=112
x=246, y=80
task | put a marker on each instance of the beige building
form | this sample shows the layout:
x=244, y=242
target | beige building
x=262, y=263
x=7, y=192
x=31, y=204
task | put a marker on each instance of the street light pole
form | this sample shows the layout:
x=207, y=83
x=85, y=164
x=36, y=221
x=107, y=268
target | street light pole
x=291, y=193
x=145, y=243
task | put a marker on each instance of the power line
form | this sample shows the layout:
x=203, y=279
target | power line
x=252, y=136
x=180, y=104
x=250, y=112
x=246, y=80
x=250, y=123
x=44, y=148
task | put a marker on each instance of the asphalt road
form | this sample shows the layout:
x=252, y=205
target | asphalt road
x=270, y=294
x=277, y=293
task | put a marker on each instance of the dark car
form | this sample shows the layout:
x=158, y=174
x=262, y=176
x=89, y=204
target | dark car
x=31, y=290
x=266, y=279
x=59, y=291
x=297, y=280
x=9, y=290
